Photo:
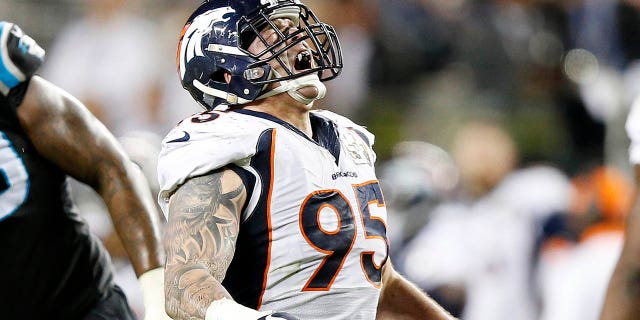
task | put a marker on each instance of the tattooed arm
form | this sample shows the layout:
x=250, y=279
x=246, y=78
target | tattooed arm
x=67, y=134
x=203, y=225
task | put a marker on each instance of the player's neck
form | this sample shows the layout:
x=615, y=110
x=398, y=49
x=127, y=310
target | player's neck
x=295, y=114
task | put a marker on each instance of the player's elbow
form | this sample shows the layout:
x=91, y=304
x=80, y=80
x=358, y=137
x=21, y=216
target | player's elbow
x=118, y=171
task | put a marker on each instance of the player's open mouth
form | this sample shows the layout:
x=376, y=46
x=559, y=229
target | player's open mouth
x=303, y=61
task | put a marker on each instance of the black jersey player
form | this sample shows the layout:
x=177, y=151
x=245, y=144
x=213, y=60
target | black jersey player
x=50, y=265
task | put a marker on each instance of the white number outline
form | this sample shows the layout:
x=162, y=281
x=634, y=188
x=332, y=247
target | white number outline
x=14, y=172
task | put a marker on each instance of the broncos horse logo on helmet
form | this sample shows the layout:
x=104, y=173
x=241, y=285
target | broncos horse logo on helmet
x=215, y=41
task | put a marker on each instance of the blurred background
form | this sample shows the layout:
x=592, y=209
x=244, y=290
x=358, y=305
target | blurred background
x=499, y=130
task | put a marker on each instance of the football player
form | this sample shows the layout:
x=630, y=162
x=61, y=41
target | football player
x=51, y=266
x=274, y=210
x=622, y=299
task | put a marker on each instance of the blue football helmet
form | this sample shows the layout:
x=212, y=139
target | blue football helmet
x=216, y=38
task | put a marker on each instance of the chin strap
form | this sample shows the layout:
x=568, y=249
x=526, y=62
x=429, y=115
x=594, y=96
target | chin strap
x=292, y=86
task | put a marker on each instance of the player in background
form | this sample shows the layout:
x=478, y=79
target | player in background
x=51, y=266
x=274, y=210
x=622, y=300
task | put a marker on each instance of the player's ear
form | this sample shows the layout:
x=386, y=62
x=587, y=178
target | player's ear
x=227, y=77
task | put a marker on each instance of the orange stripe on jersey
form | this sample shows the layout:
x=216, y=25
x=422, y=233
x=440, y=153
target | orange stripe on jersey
x=268, y=207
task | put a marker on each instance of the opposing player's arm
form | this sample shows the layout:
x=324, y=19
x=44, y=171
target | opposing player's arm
x=400, y=299
x=67, y=134
x=622, y=300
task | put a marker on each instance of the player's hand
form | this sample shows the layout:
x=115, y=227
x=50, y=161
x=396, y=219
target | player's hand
x=278, y=316
x=20, y=57
x=152, y=286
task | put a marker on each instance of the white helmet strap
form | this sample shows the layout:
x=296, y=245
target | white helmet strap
x=292, y=86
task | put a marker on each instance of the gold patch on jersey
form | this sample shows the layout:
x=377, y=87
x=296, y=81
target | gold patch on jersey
x=357, y=148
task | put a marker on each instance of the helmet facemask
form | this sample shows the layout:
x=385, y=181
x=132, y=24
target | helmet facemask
x=321, y=62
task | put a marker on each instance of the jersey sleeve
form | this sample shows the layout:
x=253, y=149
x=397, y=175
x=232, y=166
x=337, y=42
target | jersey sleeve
x=194, y=148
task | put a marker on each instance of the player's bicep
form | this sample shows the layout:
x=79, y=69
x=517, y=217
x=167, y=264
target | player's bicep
x=67, y=134
x=204, y=220
x=203, y=224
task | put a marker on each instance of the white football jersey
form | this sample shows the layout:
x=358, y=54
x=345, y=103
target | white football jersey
x=313, y=236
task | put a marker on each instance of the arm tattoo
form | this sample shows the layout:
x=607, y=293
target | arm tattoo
x=200, y=241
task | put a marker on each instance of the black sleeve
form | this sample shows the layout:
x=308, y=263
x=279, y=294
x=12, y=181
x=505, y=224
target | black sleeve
x=16, y=95
x=9, y=105
x=248, y=179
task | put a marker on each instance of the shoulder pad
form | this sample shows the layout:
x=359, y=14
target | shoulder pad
x=202, y=143
x=344, y=122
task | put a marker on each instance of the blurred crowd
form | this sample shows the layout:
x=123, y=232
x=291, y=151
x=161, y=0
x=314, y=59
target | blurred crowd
x=499, y=130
